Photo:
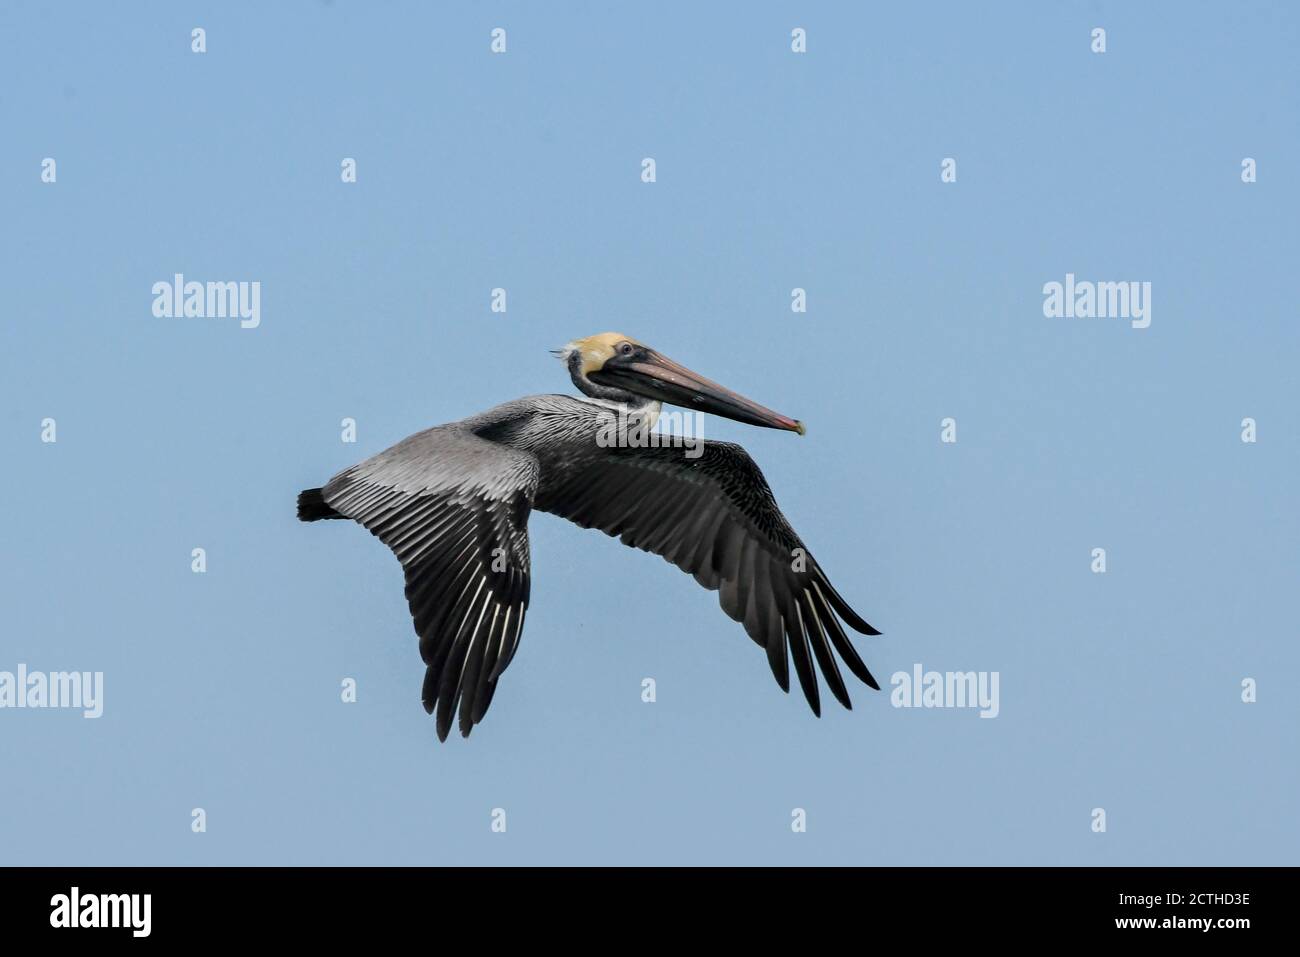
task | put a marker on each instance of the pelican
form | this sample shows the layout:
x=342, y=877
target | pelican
x=452, y=502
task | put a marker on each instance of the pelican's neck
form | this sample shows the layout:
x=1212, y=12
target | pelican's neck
x=634, y=410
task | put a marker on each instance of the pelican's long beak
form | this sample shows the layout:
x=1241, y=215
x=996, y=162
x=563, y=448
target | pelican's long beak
x=658, y=377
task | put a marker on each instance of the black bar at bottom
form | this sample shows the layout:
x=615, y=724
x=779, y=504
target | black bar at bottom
x=333, y=905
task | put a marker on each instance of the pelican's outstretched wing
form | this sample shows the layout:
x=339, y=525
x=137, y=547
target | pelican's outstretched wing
x=454, y=509
x=714, y=517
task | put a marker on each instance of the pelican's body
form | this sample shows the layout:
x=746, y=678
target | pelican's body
x=453, y=502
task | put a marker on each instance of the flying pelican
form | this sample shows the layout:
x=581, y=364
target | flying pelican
x=452, y=503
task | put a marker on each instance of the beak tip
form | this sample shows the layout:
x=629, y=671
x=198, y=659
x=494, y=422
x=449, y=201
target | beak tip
x=800, y=427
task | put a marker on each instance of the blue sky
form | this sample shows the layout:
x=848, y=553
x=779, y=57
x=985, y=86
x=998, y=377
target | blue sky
x=775, y=170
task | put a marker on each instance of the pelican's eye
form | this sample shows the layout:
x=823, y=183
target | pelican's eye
x=625, y=349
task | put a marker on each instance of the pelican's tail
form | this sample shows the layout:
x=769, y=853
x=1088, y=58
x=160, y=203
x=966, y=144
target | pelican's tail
x=312, y=506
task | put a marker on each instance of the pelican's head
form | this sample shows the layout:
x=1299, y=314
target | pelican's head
x=619, y=368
